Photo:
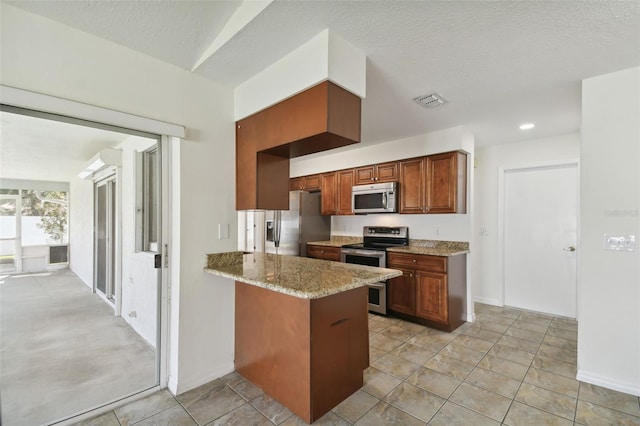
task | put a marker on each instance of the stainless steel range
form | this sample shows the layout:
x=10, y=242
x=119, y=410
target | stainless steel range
x=372, y=252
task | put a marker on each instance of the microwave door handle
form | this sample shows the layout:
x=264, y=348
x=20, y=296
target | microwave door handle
x=384, y=200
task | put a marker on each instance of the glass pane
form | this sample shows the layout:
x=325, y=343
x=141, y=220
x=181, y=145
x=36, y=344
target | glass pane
x=112, y=235
x=368, y=201
x=101, y=238
x=153, y=191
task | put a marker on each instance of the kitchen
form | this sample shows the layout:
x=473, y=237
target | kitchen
x=205, y=356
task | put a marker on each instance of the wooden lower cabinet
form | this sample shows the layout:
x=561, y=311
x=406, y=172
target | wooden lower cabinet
x=323, y=252
x=431, y=291
x=401, y=293
x=307, y=354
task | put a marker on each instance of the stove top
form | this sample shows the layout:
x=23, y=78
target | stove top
x=380, y=238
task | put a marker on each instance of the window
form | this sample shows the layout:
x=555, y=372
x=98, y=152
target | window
x=149, y=200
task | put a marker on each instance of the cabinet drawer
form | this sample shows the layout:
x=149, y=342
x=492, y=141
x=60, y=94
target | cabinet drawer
x=324, y=252
x=417, y=261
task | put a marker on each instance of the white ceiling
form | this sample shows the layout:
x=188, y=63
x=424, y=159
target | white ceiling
x=497, y=63
x=39, y=149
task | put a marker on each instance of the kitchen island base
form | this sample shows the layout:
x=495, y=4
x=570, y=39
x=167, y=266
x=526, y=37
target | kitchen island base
x=308, y=354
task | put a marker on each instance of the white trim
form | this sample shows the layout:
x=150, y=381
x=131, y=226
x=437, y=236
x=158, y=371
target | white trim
x=471, y=317
x=107, y=407
x=501, y=206
x=487, y=301
x=595, y=379
x=51, y=104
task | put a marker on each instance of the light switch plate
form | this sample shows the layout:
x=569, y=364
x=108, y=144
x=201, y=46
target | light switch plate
x=619, y=242
x=223, y=231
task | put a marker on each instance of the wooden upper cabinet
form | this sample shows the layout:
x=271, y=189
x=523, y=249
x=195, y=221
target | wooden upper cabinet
x=336, y=192
x=345, y=186
x=329, y=190
x=309, y=183
x=320, y=118
x=446, y=183
x=434, y=184
x=377, y=173
x=412, y=186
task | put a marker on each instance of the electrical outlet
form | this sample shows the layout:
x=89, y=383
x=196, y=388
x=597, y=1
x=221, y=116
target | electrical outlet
x=620, y=242
x=484, y=231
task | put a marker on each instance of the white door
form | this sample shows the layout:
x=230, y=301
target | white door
x=540, y=237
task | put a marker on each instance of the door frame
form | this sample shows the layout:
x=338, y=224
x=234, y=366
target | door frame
x=171, y=135
x=501, y=218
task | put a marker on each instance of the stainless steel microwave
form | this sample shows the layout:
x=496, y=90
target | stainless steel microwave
x=374, y=198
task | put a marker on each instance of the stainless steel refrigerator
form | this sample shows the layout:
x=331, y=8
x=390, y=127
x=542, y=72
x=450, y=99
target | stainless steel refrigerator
x=284, y=231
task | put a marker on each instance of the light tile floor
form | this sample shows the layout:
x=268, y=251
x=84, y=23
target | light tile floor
x=511, y=367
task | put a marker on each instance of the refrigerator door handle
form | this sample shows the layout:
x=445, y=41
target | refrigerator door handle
x=277, y=219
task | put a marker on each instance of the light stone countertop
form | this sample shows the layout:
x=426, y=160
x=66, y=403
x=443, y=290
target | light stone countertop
x=426, y=247
x=296, y=276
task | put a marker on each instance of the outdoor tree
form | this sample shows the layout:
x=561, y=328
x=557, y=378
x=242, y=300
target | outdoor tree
x=53, y=214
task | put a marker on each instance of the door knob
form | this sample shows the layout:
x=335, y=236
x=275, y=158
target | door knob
x=570, y=248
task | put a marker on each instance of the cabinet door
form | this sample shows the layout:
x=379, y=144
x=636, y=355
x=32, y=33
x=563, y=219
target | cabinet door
x=431, y=296
x=323, y=252
x=412, y=192
x=401, y=292
x=345, y=186
x=328, y=185
x=387, y=172
x=296, y=184
x=446, y=183
x=365, y=175
x=311, y=183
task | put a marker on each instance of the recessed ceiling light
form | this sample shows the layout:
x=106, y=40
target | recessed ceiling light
x=527, y=126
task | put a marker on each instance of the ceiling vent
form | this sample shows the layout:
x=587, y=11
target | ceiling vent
x=431, y=100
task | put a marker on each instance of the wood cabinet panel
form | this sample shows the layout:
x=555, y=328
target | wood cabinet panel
x=412, y=189
x=323, y=117
x=446, y=183
x=377, y=173
x=323, y=252
x=401, y=292
x=432, y=290
x=418, y=261
x=365, y=175
x=309, y=183
x=431, y=296
x=345, y=186
x=329, y=197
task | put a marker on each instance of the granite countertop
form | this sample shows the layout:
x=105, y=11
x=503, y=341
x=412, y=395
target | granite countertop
x=337, y=241
x=296, y=276
x=427, y=247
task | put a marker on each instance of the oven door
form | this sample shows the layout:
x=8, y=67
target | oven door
x=377, y=291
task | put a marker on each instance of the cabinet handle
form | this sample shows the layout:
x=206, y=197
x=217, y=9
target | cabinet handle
x=413, y=260
x=410, y=275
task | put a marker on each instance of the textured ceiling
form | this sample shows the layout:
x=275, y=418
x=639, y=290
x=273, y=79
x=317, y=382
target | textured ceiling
x=39, y=149
x=497, y=63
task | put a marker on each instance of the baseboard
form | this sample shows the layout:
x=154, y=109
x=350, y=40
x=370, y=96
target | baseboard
x=595, y=379
x=487, y=301
x=185, y=385
x=471, y=317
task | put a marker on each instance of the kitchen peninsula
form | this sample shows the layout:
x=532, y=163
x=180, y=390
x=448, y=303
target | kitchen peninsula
x=301, y=331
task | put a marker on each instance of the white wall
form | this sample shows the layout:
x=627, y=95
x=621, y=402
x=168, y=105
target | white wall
x=81, y=229
x=488, y=286
x=139, y=295
x=43, y=56
x=609, y=295
x=325, y=56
